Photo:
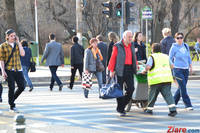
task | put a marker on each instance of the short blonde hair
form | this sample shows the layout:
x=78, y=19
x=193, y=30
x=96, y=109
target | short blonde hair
x=166, y=32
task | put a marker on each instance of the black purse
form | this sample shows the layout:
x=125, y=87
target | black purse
x=32, y=65
x=99, y=65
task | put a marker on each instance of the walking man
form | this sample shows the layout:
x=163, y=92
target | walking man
x=123, y=64
x=159, y=79
x=54, y=57
x=77, y=54
x=10, y=52
x=103, y=48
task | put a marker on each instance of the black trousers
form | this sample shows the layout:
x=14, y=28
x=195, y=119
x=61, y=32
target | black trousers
x=54, y=76
x=127, y=82
x=1, y=90
x=104, y=74
x=73, y=73
x=12, y=78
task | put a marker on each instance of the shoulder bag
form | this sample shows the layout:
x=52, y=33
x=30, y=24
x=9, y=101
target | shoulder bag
x=32, y=65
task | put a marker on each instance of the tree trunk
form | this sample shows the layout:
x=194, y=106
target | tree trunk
x=158, y=21
x=10, y=15
x=175, y=10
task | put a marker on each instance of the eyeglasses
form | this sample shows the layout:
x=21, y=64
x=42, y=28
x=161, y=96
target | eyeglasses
x=179, y=38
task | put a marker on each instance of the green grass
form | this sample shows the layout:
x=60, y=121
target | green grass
x=66, y=60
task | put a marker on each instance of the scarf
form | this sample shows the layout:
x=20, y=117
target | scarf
x=95, y=52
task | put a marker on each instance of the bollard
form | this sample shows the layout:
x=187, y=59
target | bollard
x=19, y=124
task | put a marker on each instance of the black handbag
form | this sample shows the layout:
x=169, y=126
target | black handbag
x=32, y=65
x=111, y=90
x=99, y=65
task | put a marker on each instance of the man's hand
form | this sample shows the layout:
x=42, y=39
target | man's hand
x=17, y=40
x=72, y=67
x=112, y=74
x=62, y=65
x=144, y=72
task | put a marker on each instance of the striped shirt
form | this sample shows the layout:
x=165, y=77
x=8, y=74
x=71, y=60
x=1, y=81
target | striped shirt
x=5, y=51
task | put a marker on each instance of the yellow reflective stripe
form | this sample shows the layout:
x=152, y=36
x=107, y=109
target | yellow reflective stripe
x=160, y=70
x=150, y=108
x=160, y=75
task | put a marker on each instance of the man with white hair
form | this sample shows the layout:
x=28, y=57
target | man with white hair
x=167, y=41
x=123, y=64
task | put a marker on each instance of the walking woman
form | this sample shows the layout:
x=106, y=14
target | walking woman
x=181, y=63
x=92, y=54
x=113, y=38
x=25, y=61
x=140, y=48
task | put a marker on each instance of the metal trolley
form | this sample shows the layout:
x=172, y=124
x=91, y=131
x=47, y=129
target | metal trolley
x=140, y=94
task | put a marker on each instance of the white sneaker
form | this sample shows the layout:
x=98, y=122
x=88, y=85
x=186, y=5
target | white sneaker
x=14, y=110
x=189, y=108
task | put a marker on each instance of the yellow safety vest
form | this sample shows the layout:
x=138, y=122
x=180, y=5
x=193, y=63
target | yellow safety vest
x=161, y=73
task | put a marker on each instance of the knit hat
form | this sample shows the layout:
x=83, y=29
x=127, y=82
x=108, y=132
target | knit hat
x=9, y=31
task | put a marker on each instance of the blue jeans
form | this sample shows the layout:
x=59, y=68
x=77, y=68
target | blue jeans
x=182, y=78
x=26, y=77
x=100, y=81
x=99, y=78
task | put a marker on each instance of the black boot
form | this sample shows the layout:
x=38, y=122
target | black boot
x=172, y=113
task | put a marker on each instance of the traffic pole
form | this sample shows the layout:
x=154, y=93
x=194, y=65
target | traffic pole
x=36, y=34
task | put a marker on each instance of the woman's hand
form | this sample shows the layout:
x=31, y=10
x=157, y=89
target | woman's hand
x=4, y=74
x=191, y=69
x=86, y=71
x=172, y=66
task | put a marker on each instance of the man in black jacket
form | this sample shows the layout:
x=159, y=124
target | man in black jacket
x=77, y=54
x=103, y=48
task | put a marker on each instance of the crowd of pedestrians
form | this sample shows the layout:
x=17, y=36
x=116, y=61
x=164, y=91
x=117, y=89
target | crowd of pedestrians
x=169, y=61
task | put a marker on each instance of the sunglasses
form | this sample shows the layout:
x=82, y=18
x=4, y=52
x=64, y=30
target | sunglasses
x=179, y=38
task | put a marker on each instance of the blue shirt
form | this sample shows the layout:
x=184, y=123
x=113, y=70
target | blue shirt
x=25, y=60
x=197, y=46
x=179, y=56
x=150, y=61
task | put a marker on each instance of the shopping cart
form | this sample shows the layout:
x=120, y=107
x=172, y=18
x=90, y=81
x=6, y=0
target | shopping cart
x=140, y=94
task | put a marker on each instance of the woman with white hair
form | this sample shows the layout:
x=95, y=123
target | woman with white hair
x=167, y=41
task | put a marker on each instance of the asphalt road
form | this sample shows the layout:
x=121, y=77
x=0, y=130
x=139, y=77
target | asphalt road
x=69, y=112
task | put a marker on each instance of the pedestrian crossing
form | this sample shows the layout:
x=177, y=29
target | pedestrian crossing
x=69, y=109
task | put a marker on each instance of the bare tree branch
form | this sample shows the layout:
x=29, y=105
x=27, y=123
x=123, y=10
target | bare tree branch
x=190, y=30
x=188, y=11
